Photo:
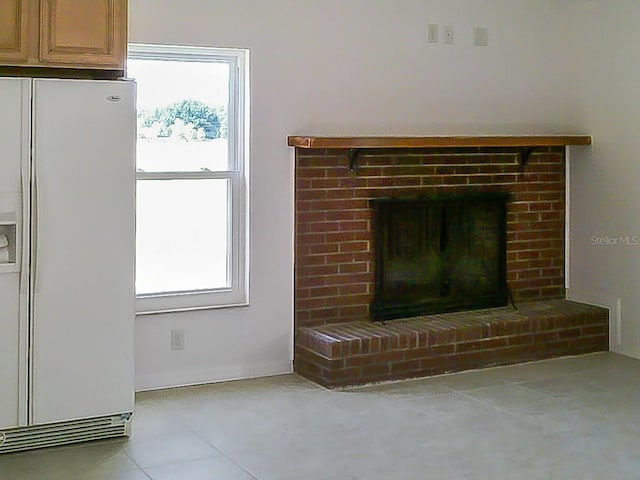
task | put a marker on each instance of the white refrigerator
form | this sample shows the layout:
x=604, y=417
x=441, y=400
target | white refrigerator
x=67, y=238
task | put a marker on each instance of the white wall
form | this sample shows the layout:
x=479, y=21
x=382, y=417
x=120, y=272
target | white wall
x=605, y=194
x=345, y=67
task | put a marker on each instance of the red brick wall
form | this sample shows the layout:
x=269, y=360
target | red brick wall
x=334, y=265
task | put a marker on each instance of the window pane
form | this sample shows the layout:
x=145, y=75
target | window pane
x=182, y=235
x=183, y=111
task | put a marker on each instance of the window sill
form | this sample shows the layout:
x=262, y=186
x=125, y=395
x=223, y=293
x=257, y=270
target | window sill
x=190, y=309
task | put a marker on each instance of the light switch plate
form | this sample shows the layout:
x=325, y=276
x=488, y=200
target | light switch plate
x=481, y=37
x=432, y=33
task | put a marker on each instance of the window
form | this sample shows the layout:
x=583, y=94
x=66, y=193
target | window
x=191, y=239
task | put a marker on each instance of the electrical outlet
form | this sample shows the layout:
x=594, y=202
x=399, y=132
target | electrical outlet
x=448, y=34
x=432, y=33
x=177, y=339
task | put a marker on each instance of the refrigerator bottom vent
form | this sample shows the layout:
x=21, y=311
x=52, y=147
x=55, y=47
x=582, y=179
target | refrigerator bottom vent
x=63, y=433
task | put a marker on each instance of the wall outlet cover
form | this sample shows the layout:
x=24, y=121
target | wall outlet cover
x=177, y=339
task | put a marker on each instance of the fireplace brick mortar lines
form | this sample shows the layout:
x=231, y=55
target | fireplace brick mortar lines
x=334, y=269
x=337, y=345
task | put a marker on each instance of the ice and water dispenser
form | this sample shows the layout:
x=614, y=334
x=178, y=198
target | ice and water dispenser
x=7, y=243
x=9, y=232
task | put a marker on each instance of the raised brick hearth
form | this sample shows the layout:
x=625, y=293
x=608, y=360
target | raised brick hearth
x=356, y=353
x=335, y=341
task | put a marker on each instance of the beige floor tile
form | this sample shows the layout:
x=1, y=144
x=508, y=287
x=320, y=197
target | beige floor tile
x=424, y=387
x=570, y=418
x=169, y=448
x=92, y=460
x=218, y=468
x=16, y=466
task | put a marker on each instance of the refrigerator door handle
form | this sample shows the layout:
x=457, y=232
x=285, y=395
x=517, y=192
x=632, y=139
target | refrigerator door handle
x=24, y=241
x=25, y=199
x=35, y=205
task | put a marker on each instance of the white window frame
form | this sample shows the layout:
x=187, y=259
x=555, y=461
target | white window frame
x=237, y=174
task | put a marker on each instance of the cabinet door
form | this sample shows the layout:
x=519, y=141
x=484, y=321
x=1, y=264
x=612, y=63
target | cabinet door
x=83, y=34
x=14, y=38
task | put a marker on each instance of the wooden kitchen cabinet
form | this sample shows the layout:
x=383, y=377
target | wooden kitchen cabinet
x=66, y=34
x=84, y=34
x=14, y=31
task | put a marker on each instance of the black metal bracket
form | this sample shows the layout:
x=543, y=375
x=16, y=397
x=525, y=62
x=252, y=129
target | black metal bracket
x=353, y=154
x=525, y=153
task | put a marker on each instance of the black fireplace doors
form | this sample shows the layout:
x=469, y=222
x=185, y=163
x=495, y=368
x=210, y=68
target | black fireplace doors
x=439, y=254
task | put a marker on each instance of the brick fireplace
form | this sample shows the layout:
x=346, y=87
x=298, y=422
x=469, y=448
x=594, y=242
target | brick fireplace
x=334, y=238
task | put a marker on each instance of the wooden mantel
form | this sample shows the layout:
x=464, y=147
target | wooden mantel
x=438, y=141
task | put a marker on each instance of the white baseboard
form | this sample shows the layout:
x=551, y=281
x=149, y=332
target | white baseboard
x=611, y=302
x=214, y=375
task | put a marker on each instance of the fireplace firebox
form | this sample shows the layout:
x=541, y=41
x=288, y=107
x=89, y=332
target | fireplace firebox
x=439, y=254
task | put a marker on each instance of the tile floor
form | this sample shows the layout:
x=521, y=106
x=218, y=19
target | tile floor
x=570, y=418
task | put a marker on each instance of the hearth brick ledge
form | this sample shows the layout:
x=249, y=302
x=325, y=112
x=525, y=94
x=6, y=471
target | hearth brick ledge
x=357, y=353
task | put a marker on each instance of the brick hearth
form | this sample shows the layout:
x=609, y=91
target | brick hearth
x=334, y=266
x=358, y=353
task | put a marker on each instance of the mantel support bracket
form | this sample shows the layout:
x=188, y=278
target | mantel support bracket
x=353, y=154
x=525, y=153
